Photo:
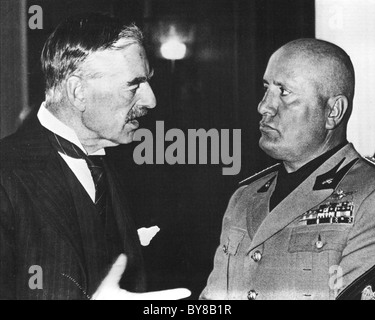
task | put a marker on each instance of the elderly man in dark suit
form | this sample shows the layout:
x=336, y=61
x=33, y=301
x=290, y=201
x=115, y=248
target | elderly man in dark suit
x=63, y=219
x=304, y=228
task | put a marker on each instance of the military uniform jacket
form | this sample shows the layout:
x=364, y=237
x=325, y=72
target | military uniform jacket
x=315, y=243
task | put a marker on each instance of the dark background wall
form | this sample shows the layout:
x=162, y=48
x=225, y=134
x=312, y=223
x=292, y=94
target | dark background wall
x=218, y=86
x=13, y=64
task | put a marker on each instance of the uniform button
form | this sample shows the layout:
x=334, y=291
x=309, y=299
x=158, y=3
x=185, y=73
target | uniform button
x=225, y=249
x=319, y=244
x=252, y=295
x=257, y=256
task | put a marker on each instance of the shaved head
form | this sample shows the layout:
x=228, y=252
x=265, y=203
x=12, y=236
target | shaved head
x=309, y=90
x=331, y=67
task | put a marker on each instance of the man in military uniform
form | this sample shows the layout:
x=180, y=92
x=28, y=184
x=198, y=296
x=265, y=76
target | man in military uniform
x=304, y=228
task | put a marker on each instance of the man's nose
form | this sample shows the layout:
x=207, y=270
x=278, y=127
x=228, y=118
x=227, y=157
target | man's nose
x=148, y=99
x=269, y=104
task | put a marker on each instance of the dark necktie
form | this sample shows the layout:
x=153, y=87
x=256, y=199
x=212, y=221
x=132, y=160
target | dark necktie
x=95, y=164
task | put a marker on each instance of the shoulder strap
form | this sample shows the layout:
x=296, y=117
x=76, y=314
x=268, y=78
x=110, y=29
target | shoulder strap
x=260, y=174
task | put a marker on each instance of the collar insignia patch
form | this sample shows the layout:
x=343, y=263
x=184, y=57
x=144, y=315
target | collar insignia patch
x=332, y=178
x=266, y=187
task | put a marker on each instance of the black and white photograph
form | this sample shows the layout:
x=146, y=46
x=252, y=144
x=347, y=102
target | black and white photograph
x=198, y=150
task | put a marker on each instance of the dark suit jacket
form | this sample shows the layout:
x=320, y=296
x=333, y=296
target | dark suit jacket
x=39, y=224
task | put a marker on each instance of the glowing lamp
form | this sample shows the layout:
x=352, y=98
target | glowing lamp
x=173, y=49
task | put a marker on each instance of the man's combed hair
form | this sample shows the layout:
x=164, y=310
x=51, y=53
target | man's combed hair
x=76, y=38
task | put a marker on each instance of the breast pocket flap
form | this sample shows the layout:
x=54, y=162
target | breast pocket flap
x=317, y=240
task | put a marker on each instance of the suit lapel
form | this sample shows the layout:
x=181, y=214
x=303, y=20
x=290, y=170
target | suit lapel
x=42, y=175
x=133, y=278
x=303, y=197
x=121, y=211
x=51, y=197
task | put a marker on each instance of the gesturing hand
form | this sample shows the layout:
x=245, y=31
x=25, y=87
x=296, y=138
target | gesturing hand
x=109, y=289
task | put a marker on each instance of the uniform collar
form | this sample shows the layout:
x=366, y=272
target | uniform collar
x=318, y=187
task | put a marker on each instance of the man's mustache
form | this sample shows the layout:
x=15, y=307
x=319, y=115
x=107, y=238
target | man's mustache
x=136, y=113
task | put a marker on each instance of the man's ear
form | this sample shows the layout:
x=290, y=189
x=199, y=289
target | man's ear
x=337, y=108
x=74, y=90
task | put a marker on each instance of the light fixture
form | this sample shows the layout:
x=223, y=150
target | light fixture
x=173, y=39
x=173, y=49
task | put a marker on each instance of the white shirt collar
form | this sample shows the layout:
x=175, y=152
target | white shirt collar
x=50, y=122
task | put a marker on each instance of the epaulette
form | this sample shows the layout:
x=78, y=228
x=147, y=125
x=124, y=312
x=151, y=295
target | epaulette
x=259, y=174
